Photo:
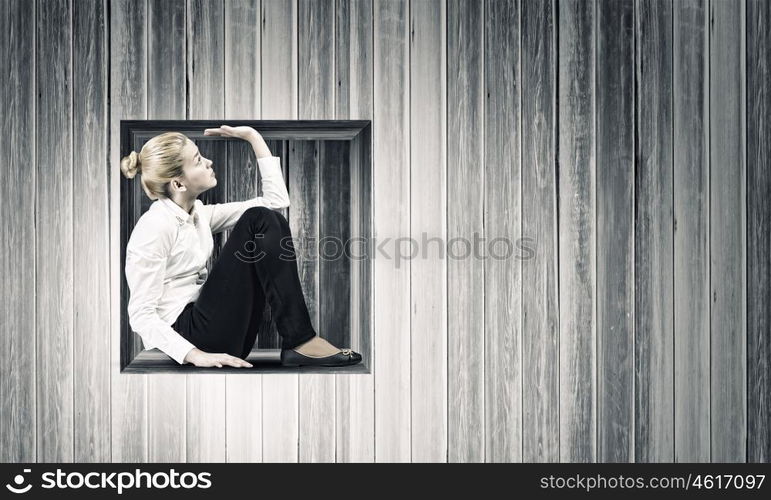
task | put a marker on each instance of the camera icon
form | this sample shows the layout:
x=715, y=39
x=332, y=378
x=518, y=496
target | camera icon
x=19, y=481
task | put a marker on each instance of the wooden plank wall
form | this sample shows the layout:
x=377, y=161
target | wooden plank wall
x=654, y=235
x=620, y=147
x=758, y=206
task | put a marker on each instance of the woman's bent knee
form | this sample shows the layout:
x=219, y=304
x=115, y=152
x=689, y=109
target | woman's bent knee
x=258, y=211
x=261, y=214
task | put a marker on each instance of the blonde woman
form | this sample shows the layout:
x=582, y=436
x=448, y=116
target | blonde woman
x=212, y=320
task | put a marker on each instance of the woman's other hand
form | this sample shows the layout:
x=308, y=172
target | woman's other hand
x=246, y=133
x=241, y=132
x=208, y=359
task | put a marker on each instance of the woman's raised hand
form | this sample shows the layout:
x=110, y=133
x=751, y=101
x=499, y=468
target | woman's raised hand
x=241, y=132
x=220, y=359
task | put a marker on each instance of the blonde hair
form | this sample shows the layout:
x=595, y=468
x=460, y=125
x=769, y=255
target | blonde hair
x=159, y=161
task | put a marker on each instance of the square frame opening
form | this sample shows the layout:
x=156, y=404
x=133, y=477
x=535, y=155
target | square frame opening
x=327, y=165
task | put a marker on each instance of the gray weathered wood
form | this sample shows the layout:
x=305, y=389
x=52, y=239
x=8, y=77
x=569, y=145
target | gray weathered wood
x=615, y=231
x=355, y=398
x=304, y=220
x=727, y=223
x=55, y=411
x=465, y=267
x=391, y=195
x=355, y=395
x=18, y=329
x=654, y=236
x=620, y=338
x=577, y=232
x=540, y=295
x=691, y=209
x=335, y=226
x=243, y=54
x=91, y=285
x=127, y=100
x=758, y=230
x=428, y=228
x=316, y=92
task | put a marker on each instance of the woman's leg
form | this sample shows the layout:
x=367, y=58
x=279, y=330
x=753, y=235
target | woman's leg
x=256, y=264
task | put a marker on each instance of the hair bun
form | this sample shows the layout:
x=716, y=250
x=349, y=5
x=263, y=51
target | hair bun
x=130, y=165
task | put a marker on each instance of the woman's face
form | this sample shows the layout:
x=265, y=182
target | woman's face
x=199, y=175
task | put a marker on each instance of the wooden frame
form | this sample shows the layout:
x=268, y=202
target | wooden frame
x=356, y=140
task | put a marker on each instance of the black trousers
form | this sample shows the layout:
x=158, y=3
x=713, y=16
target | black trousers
x=257, y=263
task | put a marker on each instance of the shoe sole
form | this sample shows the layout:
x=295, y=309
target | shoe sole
x=319, y=364
x=296, y=364
x=293, y=365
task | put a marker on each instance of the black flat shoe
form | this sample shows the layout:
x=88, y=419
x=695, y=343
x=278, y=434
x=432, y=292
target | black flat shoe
x=290, y=357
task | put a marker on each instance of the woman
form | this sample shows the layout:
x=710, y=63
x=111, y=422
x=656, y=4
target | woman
x=212, y=320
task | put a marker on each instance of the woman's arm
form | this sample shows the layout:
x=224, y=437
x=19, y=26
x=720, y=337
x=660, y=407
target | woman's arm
x=146, y=254
x=260, y=147
x=223, y=216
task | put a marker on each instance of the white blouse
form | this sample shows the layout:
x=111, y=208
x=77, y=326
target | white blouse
x=166, y=258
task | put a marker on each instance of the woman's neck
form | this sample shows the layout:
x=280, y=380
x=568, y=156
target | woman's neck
x=183, y=201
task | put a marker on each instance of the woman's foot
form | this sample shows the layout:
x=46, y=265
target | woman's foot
x=318, y=351
x=317, y=347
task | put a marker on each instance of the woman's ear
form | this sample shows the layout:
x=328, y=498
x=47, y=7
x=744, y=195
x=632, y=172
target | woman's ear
x=178, y=186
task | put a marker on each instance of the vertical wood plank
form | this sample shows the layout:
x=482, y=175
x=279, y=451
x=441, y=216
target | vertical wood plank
x=335, y=226
x=503, y=224
x=758, y=230
x=428, y=231
x=615, y=237
x=279, y=81
x=18, y=438
x=205, y=35
x=316, y=91
x=54, y=259
x=242, y=101
x=342, y=44
x=91, y=254
x=391, y=191
x=540, y=295
x=577, y=232
x=691, y=209
x=465, y=222
x=304, y=222
x=128, y=40
x=243, y=47
x=355, y=395
x=727, y=222
x=166, y=91
x=654, y=235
